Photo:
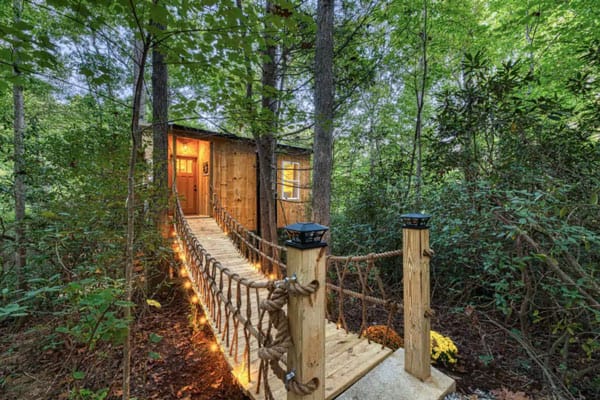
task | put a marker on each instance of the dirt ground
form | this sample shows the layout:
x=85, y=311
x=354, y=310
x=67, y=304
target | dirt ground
x=172, y=361
x=169, y=361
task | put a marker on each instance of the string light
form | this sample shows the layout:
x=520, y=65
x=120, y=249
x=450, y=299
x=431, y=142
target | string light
x=183, y=272
x=187, y=284
x=214, y=347
x=194, y=299
x=240, y=373
x=202, y=320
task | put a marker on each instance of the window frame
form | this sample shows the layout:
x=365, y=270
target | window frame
x=294, y=184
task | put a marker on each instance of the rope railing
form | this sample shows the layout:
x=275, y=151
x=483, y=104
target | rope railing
x=243, y=308
x=358, y=278
x=250, y=314
x=349, y=277
x=266, y=255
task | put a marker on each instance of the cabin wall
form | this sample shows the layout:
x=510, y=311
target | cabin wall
x=234, y=179
x=293, y=192
x=228, y=168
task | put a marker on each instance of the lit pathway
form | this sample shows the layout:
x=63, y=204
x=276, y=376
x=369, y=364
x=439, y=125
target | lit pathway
x=348, y=357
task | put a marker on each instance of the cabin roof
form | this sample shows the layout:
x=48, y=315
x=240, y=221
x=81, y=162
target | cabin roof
x=203, y=134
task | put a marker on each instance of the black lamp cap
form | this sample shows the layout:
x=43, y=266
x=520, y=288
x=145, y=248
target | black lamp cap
x=306, y=235
x=415, y=220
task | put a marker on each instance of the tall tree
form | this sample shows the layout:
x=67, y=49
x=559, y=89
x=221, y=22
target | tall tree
x=136, y=143
x=160, y=129
x=323, y=101
x=420, y=88
x=137, y=56
x=19, y=153
x=130, y=251
x=266, y=140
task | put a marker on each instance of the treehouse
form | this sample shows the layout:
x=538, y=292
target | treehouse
x=210, y=163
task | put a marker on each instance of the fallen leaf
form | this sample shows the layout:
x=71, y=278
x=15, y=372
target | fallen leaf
x=505, y=394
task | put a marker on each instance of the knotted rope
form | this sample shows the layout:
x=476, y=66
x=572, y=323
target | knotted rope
x=274, y=350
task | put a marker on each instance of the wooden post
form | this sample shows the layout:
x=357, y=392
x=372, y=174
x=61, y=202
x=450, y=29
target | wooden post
x=416, y=253
x=307, y=320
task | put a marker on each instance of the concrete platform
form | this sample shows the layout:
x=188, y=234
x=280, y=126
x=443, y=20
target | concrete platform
x=389, y=381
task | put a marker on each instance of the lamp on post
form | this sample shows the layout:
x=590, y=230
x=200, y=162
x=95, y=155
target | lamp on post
x=306, y=262
x=305, y=235
x=415, y=221
x=417, y=312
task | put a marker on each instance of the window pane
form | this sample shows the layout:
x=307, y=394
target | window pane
x=290, y=180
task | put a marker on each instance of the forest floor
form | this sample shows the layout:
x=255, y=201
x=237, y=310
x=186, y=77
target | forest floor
x=169, y=361
x=172, y=361
x=490, y=364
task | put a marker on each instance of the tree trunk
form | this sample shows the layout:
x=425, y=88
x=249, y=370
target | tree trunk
x=138, y=48
x=323, y=143
x=266, y=143
x=19, y=155
x=130, y=234
x=160, y=127
x=420, y=88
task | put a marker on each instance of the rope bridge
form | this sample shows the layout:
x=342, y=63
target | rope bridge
x=247, y=311
x=349, y=277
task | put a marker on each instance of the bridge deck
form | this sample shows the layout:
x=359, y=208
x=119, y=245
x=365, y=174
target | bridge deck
x=348, y=357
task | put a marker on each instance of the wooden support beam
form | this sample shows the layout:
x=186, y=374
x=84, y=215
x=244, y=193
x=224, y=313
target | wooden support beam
x=415, y=244
x=307, y=320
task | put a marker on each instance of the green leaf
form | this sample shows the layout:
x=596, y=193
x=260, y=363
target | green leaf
x=78, y=375
x=486, y=359
x=563, y=211
x=62, y=329
x=153, y=355
x=13, y=310
x=155, y=338
x=594, y=199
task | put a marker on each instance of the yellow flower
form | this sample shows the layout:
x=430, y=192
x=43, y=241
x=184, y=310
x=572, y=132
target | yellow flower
x=443, y=349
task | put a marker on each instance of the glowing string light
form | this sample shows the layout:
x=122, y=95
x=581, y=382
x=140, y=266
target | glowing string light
x=240, y=373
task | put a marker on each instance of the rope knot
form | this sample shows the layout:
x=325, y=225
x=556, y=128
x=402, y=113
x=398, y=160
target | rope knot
x=428, y=253
x=274, y=351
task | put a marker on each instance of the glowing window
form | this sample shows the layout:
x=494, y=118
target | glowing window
x=290, y=180
x=184, y=166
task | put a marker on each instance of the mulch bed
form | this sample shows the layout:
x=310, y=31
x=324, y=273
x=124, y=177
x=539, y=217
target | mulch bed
x=172, y=361
x=169, y=361
x=188, y=368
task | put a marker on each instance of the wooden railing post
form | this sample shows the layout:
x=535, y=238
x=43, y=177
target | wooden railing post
x=306, y=358
x=416, y=254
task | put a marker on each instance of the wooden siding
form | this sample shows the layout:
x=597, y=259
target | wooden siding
x=234, y=179
x=229, y=165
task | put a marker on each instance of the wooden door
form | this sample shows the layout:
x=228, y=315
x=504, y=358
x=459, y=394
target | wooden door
x=187, y=184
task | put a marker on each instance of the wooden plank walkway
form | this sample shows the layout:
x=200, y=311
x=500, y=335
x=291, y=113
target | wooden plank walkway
x=348, y=357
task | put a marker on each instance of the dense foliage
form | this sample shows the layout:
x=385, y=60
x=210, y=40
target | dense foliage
x=484, y=113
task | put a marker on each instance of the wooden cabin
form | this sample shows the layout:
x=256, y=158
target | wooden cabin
x=227, y=165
